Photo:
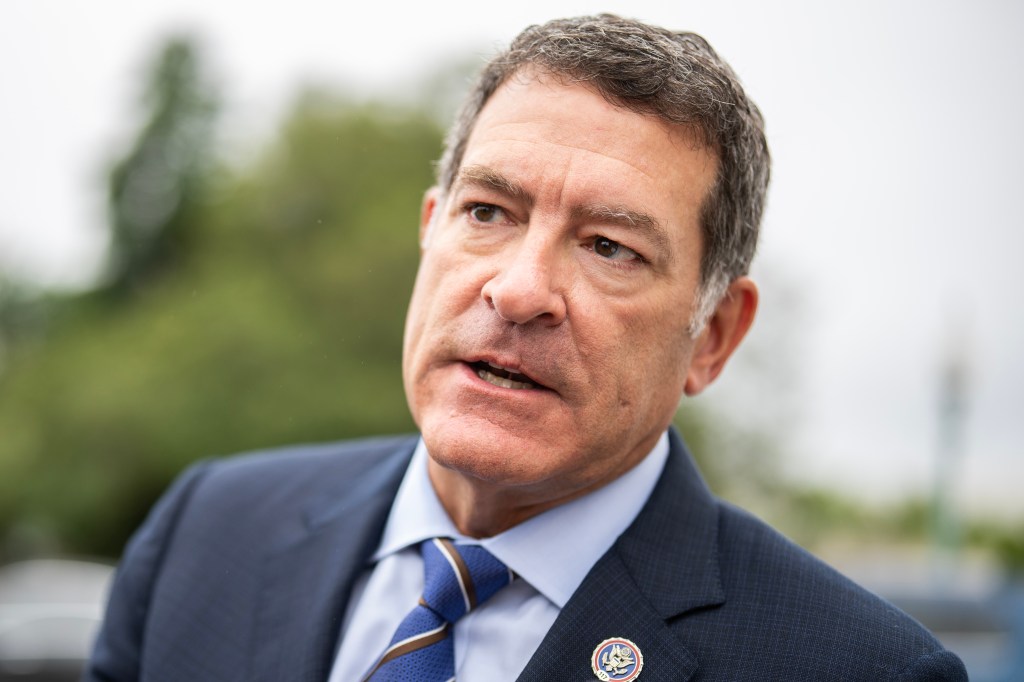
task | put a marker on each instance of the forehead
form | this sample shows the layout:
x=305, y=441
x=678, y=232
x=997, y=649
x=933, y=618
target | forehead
x=538, y=125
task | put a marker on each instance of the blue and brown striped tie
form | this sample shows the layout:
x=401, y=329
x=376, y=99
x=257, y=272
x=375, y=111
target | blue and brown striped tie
x=457, y=578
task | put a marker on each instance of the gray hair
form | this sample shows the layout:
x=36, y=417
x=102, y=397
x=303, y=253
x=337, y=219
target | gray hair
x=677, y=77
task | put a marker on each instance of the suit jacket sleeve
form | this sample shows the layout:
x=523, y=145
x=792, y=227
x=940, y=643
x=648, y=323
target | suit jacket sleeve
x=116, y=656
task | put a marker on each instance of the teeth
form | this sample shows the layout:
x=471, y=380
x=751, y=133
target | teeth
x=499, y=367
x=500, y=381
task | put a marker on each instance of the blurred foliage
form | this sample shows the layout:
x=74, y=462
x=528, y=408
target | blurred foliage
x=814, y=517
x=156, y=191
x=21, y=314
x=1005, y=541
x=281, y=321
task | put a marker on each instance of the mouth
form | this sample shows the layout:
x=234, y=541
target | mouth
x=503, y=377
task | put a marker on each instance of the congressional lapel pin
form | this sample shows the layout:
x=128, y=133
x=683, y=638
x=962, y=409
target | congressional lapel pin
x=617, y=659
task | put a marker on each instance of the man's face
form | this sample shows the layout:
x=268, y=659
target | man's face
x=546, y=344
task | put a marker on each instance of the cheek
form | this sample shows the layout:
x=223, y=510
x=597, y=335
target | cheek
x=451, y=275
x=414, y=316
x=436, y=283
x=444, y=290
x=645, y=350
x=421, y=324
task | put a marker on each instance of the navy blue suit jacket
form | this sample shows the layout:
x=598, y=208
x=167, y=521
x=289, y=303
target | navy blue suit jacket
x=243, y=571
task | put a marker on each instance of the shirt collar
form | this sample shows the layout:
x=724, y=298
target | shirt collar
x=540, y=550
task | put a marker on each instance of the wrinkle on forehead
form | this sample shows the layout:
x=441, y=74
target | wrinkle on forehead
x=581, y=124
x=566, y=134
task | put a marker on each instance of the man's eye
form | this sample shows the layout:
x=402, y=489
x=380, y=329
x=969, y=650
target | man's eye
x=485, y=213
x=612, y=250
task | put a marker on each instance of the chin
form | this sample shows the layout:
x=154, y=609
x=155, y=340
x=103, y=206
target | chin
x=489, y=453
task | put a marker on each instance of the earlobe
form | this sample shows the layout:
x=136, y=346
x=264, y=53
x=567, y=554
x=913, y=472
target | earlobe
x=428, y=214
x=722, y=334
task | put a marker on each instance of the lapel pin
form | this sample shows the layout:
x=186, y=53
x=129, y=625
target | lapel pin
x=617, y=659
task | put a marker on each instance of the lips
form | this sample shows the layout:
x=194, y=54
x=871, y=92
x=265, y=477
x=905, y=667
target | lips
x=502, y=376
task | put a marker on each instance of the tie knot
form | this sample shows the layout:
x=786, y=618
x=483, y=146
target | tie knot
x=458, y=578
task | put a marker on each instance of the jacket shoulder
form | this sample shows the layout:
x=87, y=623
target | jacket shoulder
x=813, y=620
x=295, y=460
x=204, y=552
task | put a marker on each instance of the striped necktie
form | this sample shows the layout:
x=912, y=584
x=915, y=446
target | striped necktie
x=456, y=579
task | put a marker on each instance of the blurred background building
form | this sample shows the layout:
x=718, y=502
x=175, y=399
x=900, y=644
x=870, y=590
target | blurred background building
x=208, y=236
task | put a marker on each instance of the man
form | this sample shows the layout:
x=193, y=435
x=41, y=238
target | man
x=584, y=260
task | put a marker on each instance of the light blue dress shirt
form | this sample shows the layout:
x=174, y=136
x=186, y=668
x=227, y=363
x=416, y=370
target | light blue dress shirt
x=550, y=553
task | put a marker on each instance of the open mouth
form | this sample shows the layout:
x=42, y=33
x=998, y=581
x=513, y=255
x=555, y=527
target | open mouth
x=500, y=376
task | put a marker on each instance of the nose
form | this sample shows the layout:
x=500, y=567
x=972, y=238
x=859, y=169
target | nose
x=525, y=289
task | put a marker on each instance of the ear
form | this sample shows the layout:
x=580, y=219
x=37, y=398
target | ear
x=722, y=334
x=429, y=214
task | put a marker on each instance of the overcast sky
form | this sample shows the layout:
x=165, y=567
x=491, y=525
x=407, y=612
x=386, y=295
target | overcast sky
x=892, y=234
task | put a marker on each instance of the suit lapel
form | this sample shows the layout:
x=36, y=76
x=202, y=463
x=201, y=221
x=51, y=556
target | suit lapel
x=607, y=604
x=308, y=577
x=664, y=565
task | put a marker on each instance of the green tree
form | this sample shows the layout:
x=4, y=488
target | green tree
x=157, y=190
x=282, y=322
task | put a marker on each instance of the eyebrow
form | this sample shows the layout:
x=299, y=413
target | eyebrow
x=489, y=178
